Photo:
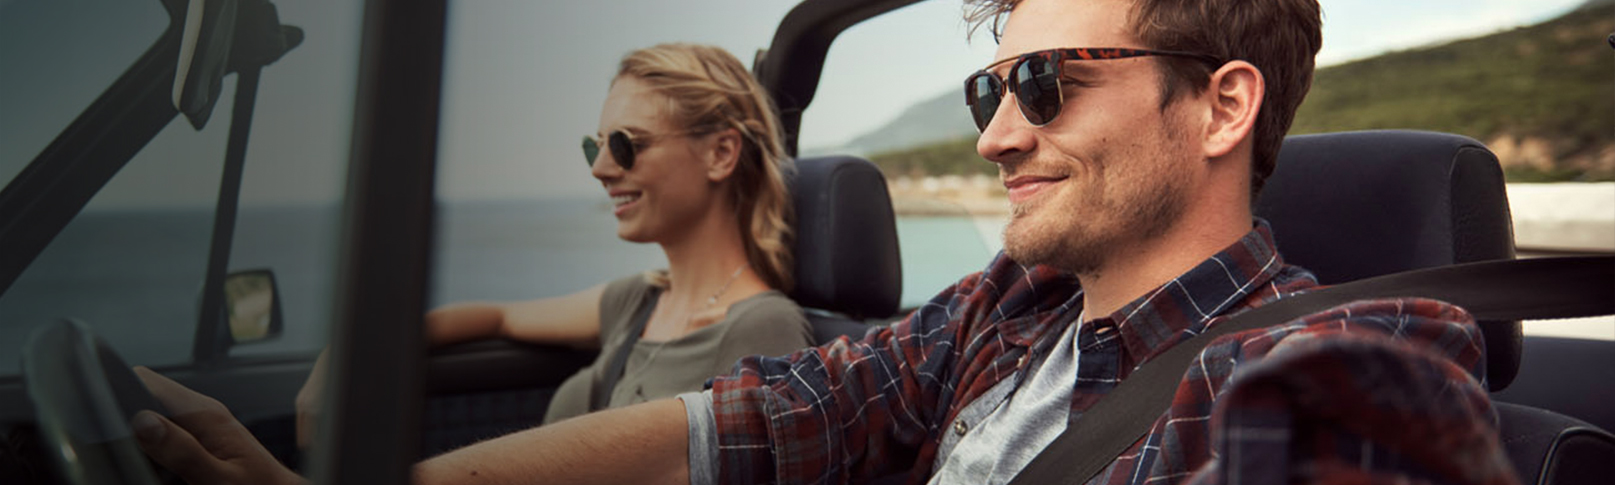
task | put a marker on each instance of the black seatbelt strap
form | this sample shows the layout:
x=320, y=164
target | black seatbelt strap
x=1543, y=288
x=602, y=390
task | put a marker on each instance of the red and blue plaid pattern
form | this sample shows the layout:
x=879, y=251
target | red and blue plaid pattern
x=1374, y=390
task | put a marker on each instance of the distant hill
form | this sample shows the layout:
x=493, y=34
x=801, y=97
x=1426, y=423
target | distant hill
x=1542, y=97
x=941, y=118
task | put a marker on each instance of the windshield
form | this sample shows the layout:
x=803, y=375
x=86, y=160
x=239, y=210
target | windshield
x=57, y=60
x=132, y=263
x=870, y=103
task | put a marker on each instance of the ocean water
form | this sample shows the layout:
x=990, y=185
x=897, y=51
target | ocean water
x=135, y=275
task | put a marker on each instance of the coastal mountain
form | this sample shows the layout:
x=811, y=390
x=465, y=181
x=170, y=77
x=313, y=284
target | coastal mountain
x=1541, y=96
x=943, y=117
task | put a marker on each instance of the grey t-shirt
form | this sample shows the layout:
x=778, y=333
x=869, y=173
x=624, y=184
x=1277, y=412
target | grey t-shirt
x=989, y=442
x=767, y=323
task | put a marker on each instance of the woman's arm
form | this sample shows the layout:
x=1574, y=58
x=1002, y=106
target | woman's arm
x=572, y=320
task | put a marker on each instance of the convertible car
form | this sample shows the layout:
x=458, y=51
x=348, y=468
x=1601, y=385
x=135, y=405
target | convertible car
x=133, y=238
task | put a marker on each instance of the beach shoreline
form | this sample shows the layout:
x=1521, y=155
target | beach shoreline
x=1549, y=219
x=1556, y=217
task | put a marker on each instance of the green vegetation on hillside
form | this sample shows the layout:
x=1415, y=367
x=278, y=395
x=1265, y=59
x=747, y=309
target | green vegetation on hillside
x=1552, y=84
x=1553, y=81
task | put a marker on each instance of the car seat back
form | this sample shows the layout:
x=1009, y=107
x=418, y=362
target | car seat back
x=1551, y=448
x=1359, y=204
x=847, y=262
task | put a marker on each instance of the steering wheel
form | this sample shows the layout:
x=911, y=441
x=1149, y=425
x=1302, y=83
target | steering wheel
x=84, y=396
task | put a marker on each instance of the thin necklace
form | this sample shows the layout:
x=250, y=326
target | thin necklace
x=711, y=300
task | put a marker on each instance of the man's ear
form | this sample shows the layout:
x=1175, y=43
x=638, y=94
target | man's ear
x=723, y=154
x=1236, y=92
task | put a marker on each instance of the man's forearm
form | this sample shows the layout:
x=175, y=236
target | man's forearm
x=643, y=443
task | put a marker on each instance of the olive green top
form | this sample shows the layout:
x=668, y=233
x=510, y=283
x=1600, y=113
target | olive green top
x=767, y=323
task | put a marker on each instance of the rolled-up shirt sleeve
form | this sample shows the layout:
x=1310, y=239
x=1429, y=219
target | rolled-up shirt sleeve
x=703, y=437
x=852, y=410
x=808, y=417
x=837, y=412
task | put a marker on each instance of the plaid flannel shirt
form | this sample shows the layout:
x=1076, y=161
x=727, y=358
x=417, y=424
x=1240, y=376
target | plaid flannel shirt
x=1370, y=391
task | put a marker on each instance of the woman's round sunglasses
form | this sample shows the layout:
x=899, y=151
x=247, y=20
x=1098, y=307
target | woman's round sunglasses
x=1035, y=79
x=624, y=145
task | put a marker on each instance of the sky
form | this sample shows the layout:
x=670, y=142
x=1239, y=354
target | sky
x=873, y=71
x=524, y=80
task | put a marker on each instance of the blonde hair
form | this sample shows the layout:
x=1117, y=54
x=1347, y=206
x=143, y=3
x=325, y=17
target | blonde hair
x=706, y=86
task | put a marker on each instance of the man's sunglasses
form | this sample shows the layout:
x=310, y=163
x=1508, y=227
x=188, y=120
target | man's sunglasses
x=623, y=146
x=1035, y=79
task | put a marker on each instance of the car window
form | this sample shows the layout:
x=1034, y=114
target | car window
x=58, y=57
x=891, y=90
x=296, y=170
x=132, y=263
x=141, y=290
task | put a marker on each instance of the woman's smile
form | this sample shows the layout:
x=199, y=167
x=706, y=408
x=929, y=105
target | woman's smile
x=623, y=200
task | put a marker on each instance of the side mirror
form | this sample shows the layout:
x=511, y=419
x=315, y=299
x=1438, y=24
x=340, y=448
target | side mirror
x=252, y=306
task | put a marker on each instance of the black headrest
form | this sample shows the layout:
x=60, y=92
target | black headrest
x=1359, y=204
x=846, y=238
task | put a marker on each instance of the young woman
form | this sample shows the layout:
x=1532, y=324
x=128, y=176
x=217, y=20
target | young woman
x=689, y=151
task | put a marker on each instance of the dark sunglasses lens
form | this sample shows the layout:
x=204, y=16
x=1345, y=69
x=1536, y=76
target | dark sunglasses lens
x=983, y=92
x=591, y=150
x=622, y=150
x=1037, y=89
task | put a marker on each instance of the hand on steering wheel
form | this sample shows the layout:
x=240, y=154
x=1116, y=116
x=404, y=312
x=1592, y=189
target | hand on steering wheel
x=92, y=409
x=203, y=443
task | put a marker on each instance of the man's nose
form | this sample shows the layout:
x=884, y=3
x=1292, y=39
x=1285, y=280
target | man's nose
x=1008, y=136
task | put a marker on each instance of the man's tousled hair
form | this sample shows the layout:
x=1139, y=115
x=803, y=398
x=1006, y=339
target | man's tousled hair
x=1280, y=37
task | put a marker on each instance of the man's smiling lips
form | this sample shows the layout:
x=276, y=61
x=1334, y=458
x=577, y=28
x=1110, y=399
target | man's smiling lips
x=1023, y=187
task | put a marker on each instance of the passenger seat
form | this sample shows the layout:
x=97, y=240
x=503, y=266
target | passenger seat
x=847, y=264
x=1360, y=204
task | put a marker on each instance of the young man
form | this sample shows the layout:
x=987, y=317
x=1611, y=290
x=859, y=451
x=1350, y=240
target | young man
x=1131, y=135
